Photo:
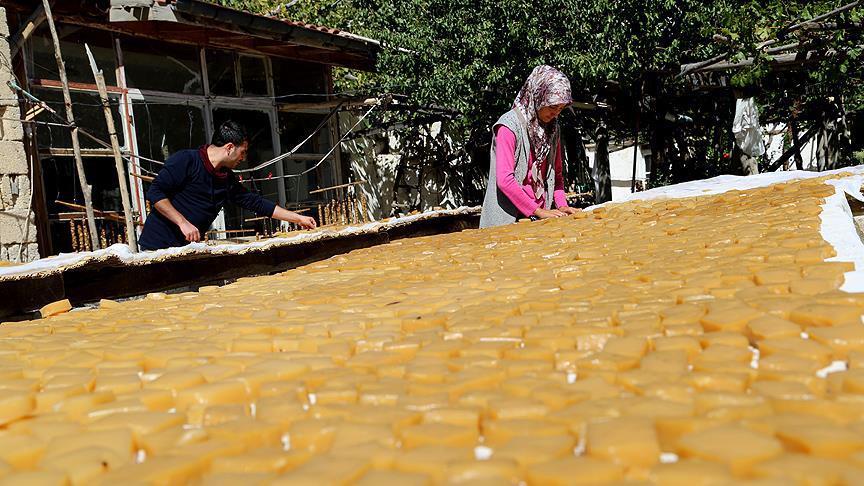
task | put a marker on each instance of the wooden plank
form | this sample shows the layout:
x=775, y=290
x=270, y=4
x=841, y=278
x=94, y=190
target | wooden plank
x=104, y=214
x=144, y=177
x=712, y=64
x=326, y=105
x=50, y=83
x=70, y=118
x=340, y=186
x=115, y=147
x=797, y=144
x=69, y=152
x=77, y=215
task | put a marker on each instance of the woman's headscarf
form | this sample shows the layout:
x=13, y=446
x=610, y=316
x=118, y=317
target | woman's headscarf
x=545, y=86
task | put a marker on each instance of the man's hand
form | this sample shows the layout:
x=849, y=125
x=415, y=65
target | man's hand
x=306, y=222
x=190, y=232
x=569, y=210
x=283, y=214
x=547, y=213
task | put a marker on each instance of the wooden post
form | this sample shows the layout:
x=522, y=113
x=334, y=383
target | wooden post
x=115, y=146
x=797, y=144
x=70, y=118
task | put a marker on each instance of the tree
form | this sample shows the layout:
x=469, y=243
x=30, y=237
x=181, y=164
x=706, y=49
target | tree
x=473, y=55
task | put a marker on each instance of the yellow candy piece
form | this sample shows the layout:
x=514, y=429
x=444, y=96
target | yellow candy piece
x=428, y=460
x=84, y=466
x=841, y=339
x=737, y=448
x=819, y=315
x=394, y=478
x=55, y=308
x=439, y=434
x=626, y=441
x=574, y=471
x=14, y=406
x=35, y=478
x=212, y=394
x=21, y=451
x=690, y=472
x=821, y=440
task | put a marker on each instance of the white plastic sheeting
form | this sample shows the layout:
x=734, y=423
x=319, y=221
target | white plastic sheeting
x=121, y=252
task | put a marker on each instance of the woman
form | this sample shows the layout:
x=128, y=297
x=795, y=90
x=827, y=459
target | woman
x=525, y=176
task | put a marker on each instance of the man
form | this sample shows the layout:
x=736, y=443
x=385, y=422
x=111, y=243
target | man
x=193, y=187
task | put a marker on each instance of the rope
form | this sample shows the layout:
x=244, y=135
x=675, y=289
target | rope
x=65, y=123
x=317, y=164
x=296, y=147
x=128, y=157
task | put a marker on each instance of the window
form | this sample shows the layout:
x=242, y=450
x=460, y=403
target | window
x=72, y=40
x=159, y=66
x=296, y=81
x=221, y=73
x=166, y=128
x=253, y=76
x=294, y=128
x=87, y=108
x=260, y=132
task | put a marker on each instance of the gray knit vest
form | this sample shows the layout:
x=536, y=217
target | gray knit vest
x=497, y=208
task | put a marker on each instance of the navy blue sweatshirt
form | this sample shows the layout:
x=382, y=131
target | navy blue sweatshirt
x=197, y=194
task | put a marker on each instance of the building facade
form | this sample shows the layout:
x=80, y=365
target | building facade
x=174, y=71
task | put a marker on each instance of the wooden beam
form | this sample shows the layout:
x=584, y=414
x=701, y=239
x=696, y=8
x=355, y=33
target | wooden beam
x=76, y=215
x=68, y=152
x=144, y=177
x=16, y=42
x=50, y=83
x=779, y=60
x=795, y=149
x=70, y=118
x=115, y=147
x=317, y=105
x=340, y=186
x=705, y=65
x=102, y=214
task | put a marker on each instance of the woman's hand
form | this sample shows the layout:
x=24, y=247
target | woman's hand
x=547, y=213
x=569, y=210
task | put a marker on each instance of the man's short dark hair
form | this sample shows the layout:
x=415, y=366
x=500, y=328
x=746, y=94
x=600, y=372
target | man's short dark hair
x=229, y=132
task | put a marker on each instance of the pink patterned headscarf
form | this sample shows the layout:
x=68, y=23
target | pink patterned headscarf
x=545, y=86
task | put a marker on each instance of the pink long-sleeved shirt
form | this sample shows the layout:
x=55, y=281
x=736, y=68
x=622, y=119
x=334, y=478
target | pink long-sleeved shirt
x=521, y=194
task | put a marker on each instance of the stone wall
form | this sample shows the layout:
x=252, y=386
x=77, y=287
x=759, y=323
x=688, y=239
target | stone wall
x=17, y=228
x=376, y=159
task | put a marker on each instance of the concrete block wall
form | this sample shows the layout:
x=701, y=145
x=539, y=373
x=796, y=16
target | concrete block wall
x=17, y=224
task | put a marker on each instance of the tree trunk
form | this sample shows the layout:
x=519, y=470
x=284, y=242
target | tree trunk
x=577, y=173
x=602, y=173
x=834, y=136
x=659, y=158
x=793, y=131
